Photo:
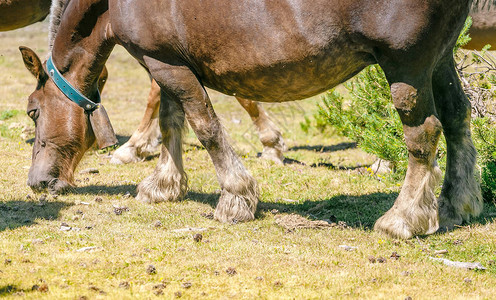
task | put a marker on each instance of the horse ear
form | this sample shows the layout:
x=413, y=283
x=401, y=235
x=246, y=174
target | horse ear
x=32, y=62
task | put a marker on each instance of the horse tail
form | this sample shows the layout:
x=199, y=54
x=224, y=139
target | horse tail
x=56, y=11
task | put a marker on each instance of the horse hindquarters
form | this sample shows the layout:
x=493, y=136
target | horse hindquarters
x=419, y=103
x=409, y=62
x=428, y=103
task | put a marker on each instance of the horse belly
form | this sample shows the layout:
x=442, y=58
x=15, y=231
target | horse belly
x=288, y=81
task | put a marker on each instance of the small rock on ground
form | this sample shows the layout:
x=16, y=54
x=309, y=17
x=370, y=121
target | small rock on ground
x=151, y=270
x=198, y=237
x=231, y=271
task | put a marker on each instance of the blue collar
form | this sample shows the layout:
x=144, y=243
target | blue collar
x=71, y=92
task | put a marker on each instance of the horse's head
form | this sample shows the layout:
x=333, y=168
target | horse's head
x=63, y=131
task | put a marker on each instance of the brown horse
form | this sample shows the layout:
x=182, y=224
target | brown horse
x=267, y=51
x=20, y=13
x=146, y=139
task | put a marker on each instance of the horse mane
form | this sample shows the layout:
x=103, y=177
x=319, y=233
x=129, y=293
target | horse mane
x=56, y=11
x=481, y=5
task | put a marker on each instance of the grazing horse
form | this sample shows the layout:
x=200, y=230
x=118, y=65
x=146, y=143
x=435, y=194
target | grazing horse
x=145, y=140
x=271, y=51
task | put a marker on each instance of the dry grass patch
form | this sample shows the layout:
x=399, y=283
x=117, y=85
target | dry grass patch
x=98, y=242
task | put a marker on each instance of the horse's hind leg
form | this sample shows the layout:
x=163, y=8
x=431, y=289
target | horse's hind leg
x=270, y=136
x=460, y=196
x=168, y=181
x=415, y=210
x=146, y=139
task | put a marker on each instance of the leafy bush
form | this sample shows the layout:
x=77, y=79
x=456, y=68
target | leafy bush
x=368, y=116
x=484, y=135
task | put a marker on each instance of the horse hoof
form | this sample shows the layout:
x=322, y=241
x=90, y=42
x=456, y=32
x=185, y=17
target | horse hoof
x=394, y=226
x=124, y=155
x=274, y=155
x=153, y=189
x=235, y=208
x=448, y=224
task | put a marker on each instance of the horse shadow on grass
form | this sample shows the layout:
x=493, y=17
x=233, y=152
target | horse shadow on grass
x=110, y=190
x=356, y=211
x=360, y=211
x=331, y=166
x=321, y=149
x=11, y=289
x=324, y=148
x=19, y=213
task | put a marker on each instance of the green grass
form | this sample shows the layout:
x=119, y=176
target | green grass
x=270, y=261
x=7, y=114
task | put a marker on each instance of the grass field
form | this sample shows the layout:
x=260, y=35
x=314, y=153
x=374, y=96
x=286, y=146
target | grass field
x=98, y=242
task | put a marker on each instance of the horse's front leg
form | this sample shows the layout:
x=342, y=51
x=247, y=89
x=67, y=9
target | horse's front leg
x=168, y=182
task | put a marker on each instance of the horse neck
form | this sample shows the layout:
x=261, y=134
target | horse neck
x=57, y=9
x=83, y=43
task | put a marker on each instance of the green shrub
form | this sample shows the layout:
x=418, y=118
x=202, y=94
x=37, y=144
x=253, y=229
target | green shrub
x=484, y=136
x=369, y=117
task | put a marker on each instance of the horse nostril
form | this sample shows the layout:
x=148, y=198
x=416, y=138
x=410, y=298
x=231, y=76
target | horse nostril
x=38, y=186
x=56, y=186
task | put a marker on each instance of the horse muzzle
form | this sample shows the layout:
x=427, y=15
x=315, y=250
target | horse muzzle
x=41, y=183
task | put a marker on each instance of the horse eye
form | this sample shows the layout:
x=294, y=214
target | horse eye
x=33, y=114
